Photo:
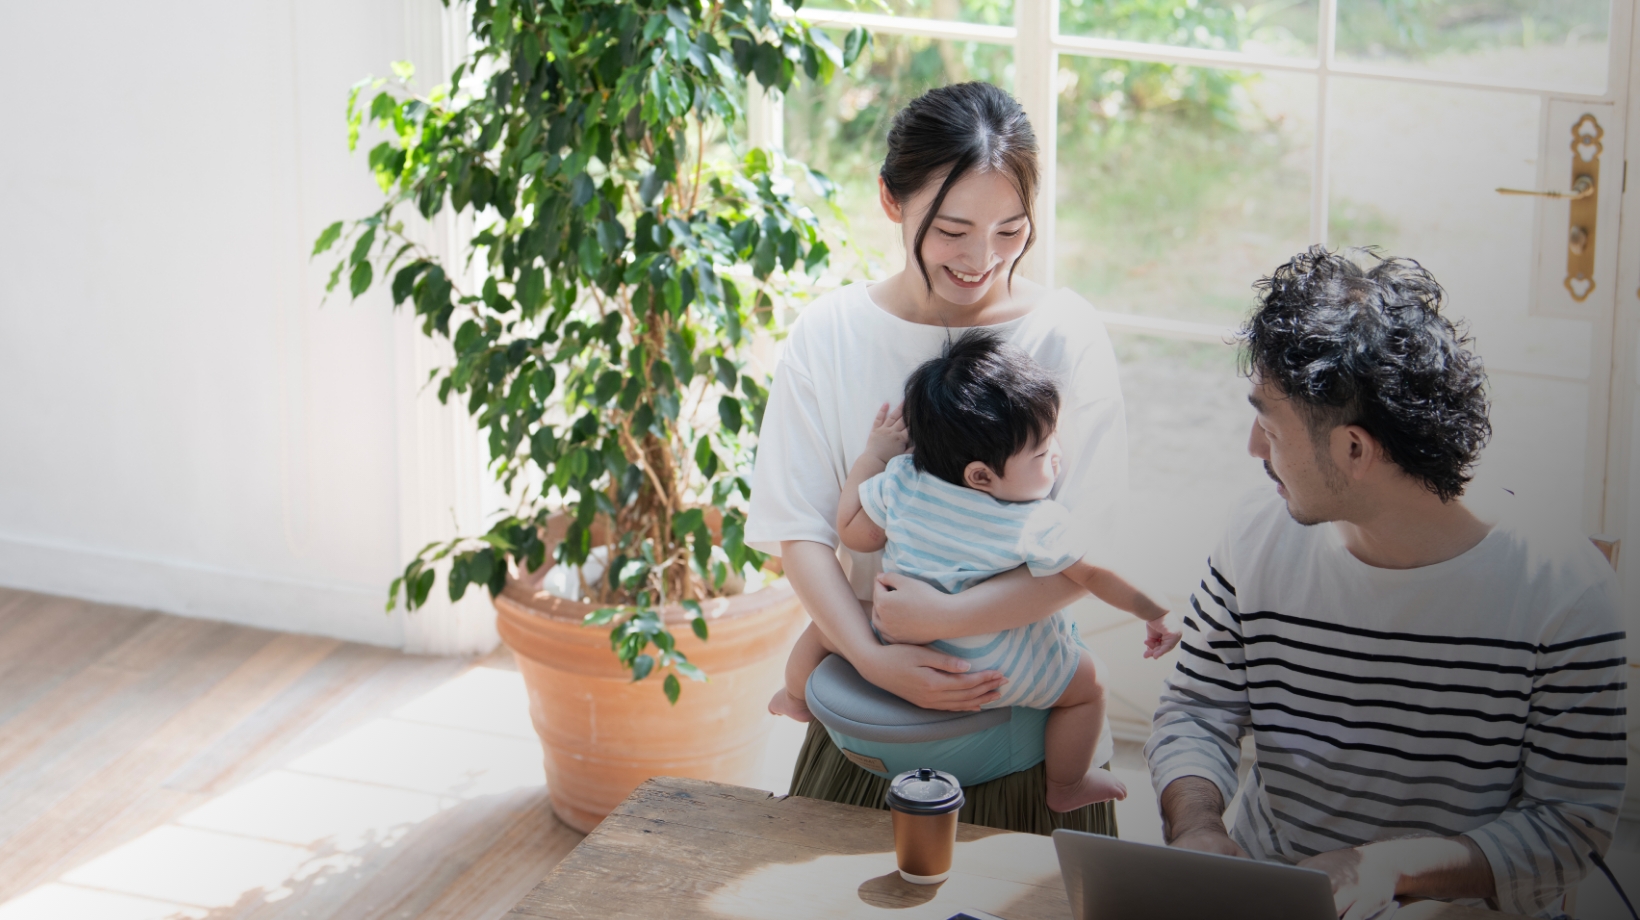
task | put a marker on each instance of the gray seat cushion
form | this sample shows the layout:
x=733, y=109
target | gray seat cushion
x=845, y=702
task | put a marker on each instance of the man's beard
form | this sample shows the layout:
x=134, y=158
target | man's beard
x=1303, y=519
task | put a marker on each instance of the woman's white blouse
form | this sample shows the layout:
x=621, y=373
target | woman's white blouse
x=846, y=356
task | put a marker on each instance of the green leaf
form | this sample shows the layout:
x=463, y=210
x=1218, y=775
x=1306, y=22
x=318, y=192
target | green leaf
x=672, y=688
x=422, y=587
x=458, y=580
x=690, y=671
x=581, y=190
x=729, y=412
x=705, y=458
x=361, y=248
x=766, y=64
x=683, y=362
x=601, y=617
x=328, y=238
x=763, y=258
x=609, y=383
x=641, y=666
x=359, y=281
x=687, y=522
x=857, y=41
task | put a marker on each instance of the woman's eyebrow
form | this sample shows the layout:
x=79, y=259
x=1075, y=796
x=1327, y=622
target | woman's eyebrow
x=964, y=221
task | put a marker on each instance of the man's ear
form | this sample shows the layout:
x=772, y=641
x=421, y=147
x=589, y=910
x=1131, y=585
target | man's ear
x=891, y=207
x=977, y=475
x=1360, y=451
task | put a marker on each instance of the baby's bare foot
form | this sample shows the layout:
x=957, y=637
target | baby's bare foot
x=1097, y=786
x=784, y=704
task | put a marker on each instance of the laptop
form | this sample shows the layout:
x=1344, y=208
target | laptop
x=1111, y=879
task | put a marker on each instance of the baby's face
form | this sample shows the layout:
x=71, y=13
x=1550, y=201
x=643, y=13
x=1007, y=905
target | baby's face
x=1030, y=474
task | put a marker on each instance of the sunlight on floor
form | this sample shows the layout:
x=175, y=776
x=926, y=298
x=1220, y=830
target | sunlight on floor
x=310, y=818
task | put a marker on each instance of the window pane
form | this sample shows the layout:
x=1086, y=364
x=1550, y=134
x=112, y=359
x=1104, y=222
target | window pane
x=1188, y=422
x=840, y=130
x=1287, y=27
x=1179, y=186
x=985, y=12
x=1554, y=44
x=1413, y=170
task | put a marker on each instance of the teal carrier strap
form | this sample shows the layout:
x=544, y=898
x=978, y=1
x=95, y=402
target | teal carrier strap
x=887, y=735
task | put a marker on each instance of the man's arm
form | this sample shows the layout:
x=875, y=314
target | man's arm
x=1573, y=764
x=1572, y=775
x=1194, y=745
x=1193, y=817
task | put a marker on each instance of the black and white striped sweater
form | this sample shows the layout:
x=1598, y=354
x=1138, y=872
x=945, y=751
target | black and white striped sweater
x=1483, y=696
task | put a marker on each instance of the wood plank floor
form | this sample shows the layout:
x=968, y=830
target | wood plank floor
x=155, y=767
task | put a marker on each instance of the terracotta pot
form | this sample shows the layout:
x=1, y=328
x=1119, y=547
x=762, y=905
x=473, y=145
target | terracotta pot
x=603, y=735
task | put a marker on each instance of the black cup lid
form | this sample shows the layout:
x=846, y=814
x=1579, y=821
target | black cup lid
x=925, y=792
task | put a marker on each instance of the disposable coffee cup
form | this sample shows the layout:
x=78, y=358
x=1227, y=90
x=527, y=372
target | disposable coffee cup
x=924, y=804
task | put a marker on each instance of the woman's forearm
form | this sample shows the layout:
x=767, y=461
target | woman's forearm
x=1007, y=601
x=826, y=594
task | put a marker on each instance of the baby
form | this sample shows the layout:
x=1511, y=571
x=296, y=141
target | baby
x=971, y=501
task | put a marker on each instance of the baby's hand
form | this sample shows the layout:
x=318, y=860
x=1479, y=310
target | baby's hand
x=888, y=438
x=1160, y=637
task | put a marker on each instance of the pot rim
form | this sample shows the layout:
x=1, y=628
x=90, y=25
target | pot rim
x=546, y=605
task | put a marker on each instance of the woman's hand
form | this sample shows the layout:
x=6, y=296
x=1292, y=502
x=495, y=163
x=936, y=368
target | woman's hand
x=929, y=679
x=906, y=609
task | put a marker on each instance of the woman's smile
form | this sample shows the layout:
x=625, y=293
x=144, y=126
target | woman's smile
x=966, y=280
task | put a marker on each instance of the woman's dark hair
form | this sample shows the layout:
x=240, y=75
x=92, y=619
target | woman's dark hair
x=981, y=399
x=1369, y=347
x=954, y=130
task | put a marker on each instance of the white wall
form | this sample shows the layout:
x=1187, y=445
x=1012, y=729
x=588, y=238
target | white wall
x=182, y=426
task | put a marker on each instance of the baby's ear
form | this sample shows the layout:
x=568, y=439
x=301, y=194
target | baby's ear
x=976, y=475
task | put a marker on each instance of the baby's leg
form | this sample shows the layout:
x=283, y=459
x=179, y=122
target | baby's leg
x=811, y=649
x=1073, y=732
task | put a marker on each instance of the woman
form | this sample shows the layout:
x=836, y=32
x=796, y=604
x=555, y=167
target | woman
x=960, y=179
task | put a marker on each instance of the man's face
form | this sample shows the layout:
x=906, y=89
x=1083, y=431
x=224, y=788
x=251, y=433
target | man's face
x=1305, y=473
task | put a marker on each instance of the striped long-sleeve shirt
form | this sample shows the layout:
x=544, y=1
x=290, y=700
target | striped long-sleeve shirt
x=1481, y=696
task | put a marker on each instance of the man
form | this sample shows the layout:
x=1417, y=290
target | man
x=1435, y=701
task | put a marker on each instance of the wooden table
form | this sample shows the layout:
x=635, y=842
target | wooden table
x=684, y=848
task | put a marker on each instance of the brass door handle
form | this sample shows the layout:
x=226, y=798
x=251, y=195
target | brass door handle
x=1581, y=189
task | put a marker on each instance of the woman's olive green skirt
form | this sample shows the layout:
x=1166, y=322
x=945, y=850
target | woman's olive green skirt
x=1016, y=802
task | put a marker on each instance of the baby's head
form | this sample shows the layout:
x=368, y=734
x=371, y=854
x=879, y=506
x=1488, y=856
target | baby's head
x=983, y=415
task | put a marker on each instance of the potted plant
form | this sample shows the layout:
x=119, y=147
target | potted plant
x=627, y=251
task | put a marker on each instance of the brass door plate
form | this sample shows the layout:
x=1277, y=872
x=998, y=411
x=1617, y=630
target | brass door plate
x=1585, y=211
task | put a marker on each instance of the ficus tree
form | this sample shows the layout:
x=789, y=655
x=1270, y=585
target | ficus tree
x=626, y=247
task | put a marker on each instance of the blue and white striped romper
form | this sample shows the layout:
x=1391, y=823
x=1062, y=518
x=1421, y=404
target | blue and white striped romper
x=953, y=537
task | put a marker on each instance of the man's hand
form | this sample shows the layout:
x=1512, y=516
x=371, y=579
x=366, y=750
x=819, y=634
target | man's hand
x=1366, y=879
x=929, y=679
x=905, y=609
x=888, y=438
x=1161, y=637
x=1363, y=881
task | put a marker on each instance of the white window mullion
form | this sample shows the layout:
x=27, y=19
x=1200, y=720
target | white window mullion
x=1036, y=65
x=1320, y=181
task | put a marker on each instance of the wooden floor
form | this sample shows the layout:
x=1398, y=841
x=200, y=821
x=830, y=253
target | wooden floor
x=154, y=767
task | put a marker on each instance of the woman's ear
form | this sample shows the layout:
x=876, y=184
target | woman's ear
x=976, y=475
x=891, y=207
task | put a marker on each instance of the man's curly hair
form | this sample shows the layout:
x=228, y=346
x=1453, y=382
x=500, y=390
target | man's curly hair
x=1369, y=347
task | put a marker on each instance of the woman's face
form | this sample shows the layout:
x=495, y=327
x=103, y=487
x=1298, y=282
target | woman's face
x=979, y=232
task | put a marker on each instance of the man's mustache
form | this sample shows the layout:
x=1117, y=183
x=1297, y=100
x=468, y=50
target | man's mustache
x=1271, y=473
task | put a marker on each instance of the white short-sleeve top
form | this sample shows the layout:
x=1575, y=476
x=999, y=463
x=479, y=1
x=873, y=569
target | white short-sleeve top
x=846, y=356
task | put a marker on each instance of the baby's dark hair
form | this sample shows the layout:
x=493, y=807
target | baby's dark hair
x=981, y=399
